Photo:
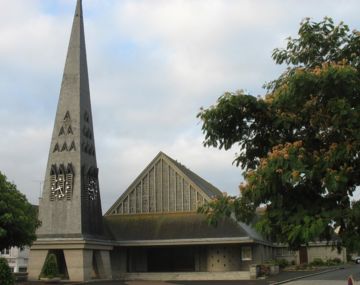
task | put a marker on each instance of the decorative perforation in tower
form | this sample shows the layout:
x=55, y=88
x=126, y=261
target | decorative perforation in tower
x=87, y=145
x=61, y=181
x=92, y=184
x=69, y=181
x=53, y=181
x=66, y=132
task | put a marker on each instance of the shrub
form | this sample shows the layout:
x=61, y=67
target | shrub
x=333, y=261
x=264, y=270
x=6, y=277
x=51, y=268
x=317, y=262
x=282, y=263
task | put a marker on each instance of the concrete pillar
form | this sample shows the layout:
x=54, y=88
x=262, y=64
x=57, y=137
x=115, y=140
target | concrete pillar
x=102, y=258
x=197, y=259
x=36, y=263
x=254, y=271
x=79, y=264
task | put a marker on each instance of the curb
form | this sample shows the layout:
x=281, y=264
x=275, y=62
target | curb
x=305, y=276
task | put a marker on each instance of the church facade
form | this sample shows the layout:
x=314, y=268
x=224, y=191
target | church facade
x=153, y=228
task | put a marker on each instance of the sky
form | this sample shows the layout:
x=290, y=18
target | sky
x=152, y=65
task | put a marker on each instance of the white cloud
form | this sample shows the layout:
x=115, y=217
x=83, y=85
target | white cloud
x=152, y=65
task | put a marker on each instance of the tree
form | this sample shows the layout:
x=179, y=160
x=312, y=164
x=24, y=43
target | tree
x=6, y=277
x=50, y=268
x=300, y=143
x=18, y=218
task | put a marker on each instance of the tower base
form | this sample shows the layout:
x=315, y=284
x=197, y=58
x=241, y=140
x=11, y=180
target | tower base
x=84, y=260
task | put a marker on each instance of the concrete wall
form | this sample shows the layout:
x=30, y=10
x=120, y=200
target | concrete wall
x=314, y=250
x=325, y=253
x=262, y=253
x=223, y=258
x=289, y=255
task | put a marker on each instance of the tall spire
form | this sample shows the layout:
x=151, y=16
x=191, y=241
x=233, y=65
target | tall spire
x=76, y=63
x=70, y=205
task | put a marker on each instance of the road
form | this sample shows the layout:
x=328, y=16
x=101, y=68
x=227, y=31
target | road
x=338, y=277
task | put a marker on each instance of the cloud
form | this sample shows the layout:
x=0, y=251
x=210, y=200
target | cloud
x=152, y=65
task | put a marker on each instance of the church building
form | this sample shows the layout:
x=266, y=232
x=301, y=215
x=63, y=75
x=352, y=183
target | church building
x=154, y=227
x=153, y=231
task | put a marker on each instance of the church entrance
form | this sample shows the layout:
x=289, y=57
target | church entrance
x=161, y=259
x=171, y=259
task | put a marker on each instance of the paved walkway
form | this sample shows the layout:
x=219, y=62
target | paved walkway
x=282, y=278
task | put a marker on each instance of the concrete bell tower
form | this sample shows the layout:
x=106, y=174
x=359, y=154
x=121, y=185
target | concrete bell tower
x=70, y=207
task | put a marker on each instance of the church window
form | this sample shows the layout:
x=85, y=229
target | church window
x=246, y=253
x=70, y=131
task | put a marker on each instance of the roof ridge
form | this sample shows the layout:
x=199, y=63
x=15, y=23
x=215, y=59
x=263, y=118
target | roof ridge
x=192, y=173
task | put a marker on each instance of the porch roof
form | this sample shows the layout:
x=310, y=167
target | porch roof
x=176, y=228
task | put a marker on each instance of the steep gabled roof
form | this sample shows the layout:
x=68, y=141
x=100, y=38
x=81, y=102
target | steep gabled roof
x=208, y=188
x=147, y=192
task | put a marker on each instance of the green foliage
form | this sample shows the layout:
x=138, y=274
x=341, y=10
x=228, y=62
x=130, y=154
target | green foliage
x=50, y=268
x=333, y=261
x=318, y=262
x=282, y=263
x=18, y=218
x=299, y=144
x=6, y=277
x=329, y=262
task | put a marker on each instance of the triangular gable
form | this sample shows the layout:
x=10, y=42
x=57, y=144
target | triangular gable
x=164, y=186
